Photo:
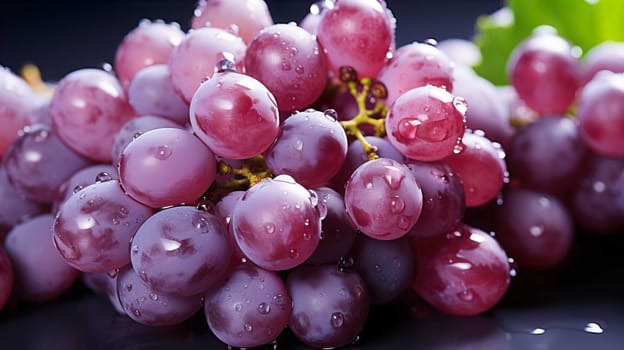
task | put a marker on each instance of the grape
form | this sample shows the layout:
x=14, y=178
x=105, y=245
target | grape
x=290, y=63
x=37, y=163
x=6, y=277
x=151, y=308
x=414, y=65
x=481, y=168
x=196, y=58
x=464, y=272
x=135, y=127
x=311, y=21
x=545, y=71
x=387, y=267
x=235, y=115
x=93, y=227
x=89, y=102
x=82, y=178
x=461, y=51
x=277, y=223
x=166, y=166
x=426, y=123
x=104, y=283
x=547, y=154
x=151, y=92
x=601, y=114
x=14, y=208
x=228, y=15
x=181, y=251
x=148, y=44
x=534, y=228
x=18, y=107
x=443, y=198
x=311, y=148
x=383, y=199
x=224, y=209
x=356, y=33
x=251, y=308
x=41, y=274
x=608, y=55
x=337, y=234
x=329, y=306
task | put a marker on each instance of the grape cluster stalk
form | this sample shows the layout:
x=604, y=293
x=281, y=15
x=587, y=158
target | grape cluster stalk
x=282, y=178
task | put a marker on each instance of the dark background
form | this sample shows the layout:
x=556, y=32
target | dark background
x=65, y=35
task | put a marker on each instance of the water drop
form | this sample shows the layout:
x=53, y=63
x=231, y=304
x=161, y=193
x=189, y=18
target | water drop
x=345, y=263
x=201, y=224
x=294, y=254
x=225, y=65
x=278, y=298
x=337, y=319
x=593, y=327
x=103, y=177
x=238, y=307
x=466, y=295
x=298, y=145
x=115, y=221
x=397, y=204
x=299, y=69
x=269, y=228
x=123, y=211
x=129, y=287
x=286, y=66
x=431, y=41
x=264, y=308
x=137, y=134
x=153, y=296
x=248, y=327
x=41, y=135
x=293, y=52
x=136, y=312
x=378, y=268
x=404, y=222
x=458, y=148
x=408, y=128
x=77, y=189
x=163, y=152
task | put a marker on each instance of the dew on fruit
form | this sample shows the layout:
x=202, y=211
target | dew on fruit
x=466, y=295
x=346, y=263
x=238, y=307
x=337, y=319
x=163, y=152
x=269, y=228
x=264, y=308
x=397, y=204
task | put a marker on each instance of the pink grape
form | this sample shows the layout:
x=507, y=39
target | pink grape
x=426, y=123
x=356, y=33
x=297, y=57
x=608, y=55
x=41, y=274
x=82, y=178
x=224, y=209
x=197, y=57
x=14, y=208
x=383, y=199
x=166, y=166
x=93, y=227
x=148, y=44
x=89, y=102
x=17, y=100
x=228, y=15
x=235, y=115
x=6, y=277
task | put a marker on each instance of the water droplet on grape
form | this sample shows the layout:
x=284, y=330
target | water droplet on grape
x=238, y=307
x=77, y=189
x=248, y=327
x=294, y=254
x=408, y=128
x=378, y=268
x=137, y=134
x=299, y=69
x=115, y=221
x=226, y=64
x=345, y=263
x=136, y=312
x=404, y=222
x=129, y=287
x=298, y=145
x=264, y=308
x=431, y=41
x=163, y=152
x=337, y=319
x=153, y=296
x=269, y=228
x=278, y=298
x=286, y=66
x=41, y=135
x=397, y=204
x=201, y=224
x=466, y=295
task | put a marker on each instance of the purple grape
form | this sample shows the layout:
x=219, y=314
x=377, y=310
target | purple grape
x=387, y=267
x=329, y=306
x=166, y=166
x=18, y=109
x=82, y=178
x=41, y=275
x=6, y=277
x=311, y=148
x=181, y=251
x=337, y=234
x=14, y=208
x=383, y=199
x=92, y=229
x=37, y=163
x=224, y=209
x=251, y=308
x=443, y=198
x=152, y=308
x=277, y=223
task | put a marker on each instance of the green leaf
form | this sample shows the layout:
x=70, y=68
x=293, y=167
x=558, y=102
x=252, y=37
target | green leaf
x=585, y=23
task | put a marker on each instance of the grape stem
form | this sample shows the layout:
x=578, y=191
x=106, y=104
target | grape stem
x=364, y=115
x=252, y=172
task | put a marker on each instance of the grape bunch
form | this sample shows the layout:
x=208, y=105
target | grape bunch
x=288, y=177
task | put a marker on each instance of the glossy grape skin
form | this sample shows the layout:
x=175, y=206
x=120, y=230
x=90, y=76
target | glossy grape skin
x=601, y=114
x=608, y=55
x=290, y=62
x=151, y=308
x=82, y=178
x=383, y=199
x=37, y=163
x=329, y=306
x=534, y=228
x=19, y=108
x=250, y=308
x=426, y=123
x=387, y=267
x=235, y=115
x=151, y=92
x=443, y=198
x=545, y=72
x=547, y=155
x=311, y=147
x=89, y=102
x=93, y=227
x=181, y=251
x=148, y=44
x=481, y=168
x=197, y=57
x=277, y=223
x=41, y=275
x=337, y=234
x=6, y=277
x=465, y=272
x=228, y=15
x=166, y=166
x=414, y=65
x=135, y=127
x=14, y=208
x=356, y=33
